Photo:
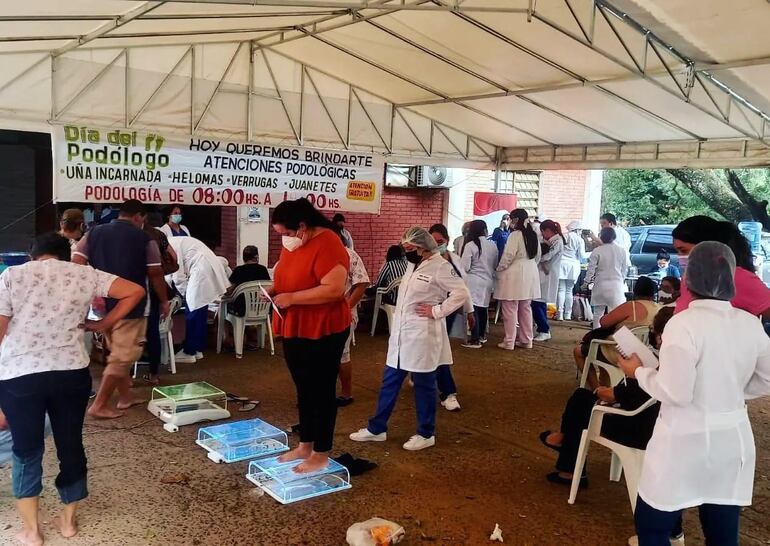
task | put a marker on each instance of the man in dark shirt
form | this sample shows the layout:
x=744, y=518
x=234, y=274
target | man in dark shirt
x=123, y=249
x=250, y=271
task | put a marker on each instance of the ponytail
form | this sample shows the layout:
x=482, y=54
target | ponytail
x=524, y=224
x=554, y=226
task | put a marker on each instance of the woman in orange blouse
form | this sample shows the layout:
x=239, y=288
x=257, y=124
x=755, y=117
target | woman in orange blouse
x=309, y=289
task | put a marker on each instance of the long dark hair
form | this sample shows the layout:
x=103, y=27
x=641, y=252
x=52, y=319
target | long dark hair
x=395, y=252
x=477, y=230
x=290, y=214
x=530, y=237
x=440, y=229
x=553, y=226
x=698, y=229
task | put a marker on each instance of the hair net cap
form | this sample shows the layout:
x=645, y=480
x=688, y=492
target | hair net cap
x=711, y=271
x=420, y=237
x=574, y=225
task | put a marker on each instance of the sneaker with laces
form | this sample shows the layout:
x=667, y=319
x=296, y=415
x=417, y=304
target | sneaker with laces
x=450, y=403
x=472, y=345
x=363, y=435
x=417, y=442
x=199, y=356
x=543, y=337
x=183, y=358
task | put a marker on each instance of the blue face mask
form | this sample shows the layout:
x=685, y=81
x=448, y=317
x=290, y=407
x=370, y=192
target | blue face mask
x=176, y=218
x=442, y=248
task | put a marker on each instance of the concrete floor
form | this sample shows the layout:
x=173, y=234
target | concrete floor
x=487, y=467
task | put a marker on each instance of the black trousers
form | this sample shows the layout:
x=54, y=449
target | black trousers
x=314, y=365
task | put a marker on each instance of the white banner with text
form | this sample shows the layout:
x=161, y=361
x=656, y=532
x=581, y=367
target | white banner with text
x=95, y=165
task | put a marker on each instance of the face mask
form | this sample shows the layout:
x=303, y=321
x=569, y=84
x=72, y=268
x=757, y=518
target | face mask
x=291, y=243
x=176, y=218
x=442, y=248
x=413, y=257
x=663, y=295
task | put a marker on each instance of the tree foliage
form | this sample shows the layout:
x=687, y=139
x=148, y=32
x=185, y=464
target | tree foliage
x=669, y=196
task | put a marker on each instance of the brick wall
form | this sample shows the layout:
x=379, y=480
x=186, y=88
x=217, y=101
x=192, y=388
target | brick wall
x=229, y=226
x=373, y=234
x=562, y=195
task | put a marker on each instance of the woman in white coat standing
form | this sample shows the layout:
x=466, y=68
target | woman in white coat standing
x=714, y=357
x=479, y=261
x=607, y=269
x=200, y=279
x=573, y=256
x=549, y=269
x=518, y=282
x=418, y=338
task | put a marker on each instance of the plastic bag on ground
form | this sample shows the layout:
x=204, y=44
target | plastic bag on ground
x=375, y=532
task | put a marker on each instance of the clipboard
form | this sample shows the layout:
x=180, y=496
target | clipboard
x=629, y=344
x=275, y=307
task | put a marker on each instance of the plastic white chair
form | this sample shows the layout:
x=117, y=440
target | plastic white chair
x=257, y=314
x=166, y=338
x=387, y=308
x=615, y=373
x=625, y=460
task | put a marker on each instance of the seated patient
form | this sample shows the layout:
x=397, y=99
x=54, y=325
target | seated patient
x=630, y=431
x=635, y=313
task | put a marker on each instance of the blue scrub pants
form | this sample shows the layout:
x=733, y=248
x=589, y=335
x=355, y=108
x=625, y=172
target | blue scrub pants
x=196, y=330
x=540, y=314
x=424, y=400
x=655, y=527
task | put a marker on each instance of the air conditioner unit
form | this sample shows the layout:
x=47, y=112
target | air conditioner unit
x=435, y=177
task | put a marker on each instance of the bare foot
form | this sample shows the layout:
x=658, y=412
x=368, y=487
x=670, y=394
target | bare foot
x=316, y=461
x=30, y=538
x=130, y=404
x=67, y=530
x=555, y=439
x=104, y=413
x=299, y=452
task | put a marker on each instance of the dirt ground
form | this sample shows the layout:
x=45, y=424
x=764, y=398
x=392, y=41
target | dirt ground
x=487, y=467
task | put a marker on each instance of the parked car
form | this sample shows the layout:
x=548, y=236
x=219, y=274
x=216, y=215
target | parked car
x=646, y=242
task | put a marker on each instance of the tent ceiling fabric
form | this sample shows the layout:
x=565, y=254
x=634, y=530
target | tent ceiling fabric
x=514, y=83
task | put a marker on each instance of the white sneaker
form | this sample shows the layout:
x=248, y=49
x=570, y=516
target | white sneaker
x=543, y=337
x=471, y=345
x=417, y=442
x=523, y=345
x=679, y=541
x=451, y=403
x=504, y=346
x=363, y=435
x=183, y=358
x=198, y=356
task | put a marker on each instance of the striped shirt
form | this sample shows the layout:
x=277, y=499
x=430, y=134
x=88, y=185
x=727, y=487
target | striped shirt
x=392, y=270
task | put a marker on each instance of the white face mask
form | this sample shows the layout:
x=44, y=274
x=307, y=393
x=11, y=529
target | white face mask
x=291, y=243
x=663, y=295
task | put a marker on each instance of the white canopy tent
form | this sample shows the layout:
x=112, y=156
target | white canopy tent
x=484, y=83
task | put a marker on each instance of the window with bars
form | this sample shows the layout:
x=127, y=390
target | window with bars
x=525, y=184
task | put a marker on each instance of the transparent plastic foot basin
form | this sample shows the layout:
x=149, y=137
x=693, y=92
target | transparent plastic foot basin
x=231, y=442
x=279, y=480
x=178, y=405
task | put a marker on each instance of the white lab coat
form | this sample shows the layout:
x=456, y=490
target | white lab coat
x=622, y=238
x=517, y=275
x=479, y=265
x=713, y=358
x=419, y=344
x=201, y=277
x=456, y=264
x=574, y=254
x=551, y=260
x=607, y=269
x=165, y=228
x=457, y=244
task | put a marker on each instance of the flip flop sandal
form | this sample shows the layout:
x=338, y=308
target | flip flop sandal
x=250, y=405
x=544, y=440
x=554, y=477
x=146, y=379
x=235, y=398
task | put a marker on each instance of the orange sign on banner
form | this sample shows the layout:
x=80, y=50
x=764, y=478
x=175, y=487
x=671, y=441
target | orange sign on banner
x=362, y=191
